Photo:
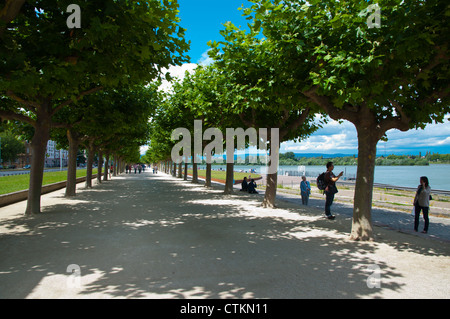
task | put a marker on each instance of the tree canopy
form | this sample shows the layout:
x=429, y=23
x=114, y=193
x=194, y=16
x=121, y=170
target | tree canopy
x=362, y=74
x=45, y=66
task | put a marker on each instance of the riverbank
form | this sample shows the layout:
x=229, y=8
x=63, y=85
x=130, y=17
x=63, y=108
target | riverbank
x=403, y=176
x=399, y=200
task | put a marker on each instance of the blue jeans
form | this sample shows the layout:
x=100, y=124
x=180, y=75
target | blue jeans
x=425, y=217
x=328, y=202
x=305, y=197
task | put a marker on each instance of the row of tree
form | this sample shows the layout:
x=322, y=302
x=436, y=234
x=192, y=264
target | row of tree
x=92, y=87
x=303, y=60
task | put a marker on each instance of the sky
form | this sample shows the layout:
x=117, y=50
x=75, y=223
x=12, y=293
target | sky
x=203, y=21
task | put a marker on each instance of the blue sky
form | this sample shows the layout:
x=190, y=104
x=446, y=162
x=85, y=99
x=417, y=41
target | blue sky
x=203, y=20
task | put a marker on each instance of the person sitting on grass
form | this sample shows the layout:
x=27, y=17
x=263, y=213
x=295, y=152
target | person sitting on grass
x=252, y=186
x=244, y=185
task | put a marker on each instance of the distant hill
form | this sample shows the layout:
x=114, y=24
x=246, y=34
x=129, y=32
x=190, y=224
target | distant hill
x=323, y=155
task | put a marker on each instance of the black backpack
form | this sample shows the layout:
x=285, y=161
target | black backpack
x=321, y=182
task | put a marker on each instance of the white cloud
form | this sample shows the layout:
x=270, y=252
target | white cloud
x=205, y=60
x=333, y=137
x=446, y=141
x=143, y=149
x=176, y=72
x=337, y=137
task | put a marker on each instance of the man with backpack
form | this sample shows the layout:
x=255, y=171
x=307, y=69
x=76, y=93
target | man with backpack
x=327, y=182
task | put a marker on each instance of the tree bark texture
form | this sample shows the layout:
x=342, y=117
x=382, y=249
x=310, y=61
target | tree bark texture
x=90, y=162
x=208, y=175
x=100, y=166
x=105, y=174
x=71, y=184
x=38, y=148
x=362, y=228
x=229, y=182
x=195, y=173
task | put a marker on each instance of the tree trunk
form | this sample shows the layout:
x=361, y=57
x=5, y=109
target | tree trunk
x=185, y=170
x=194, y=173
x=208, y=175
x=114, y=173
x=105, y=174
x=100, y=166
x=362, y=208
x=71, y=184
x=180, y=166
x=38, y=148
x=229, y=182
x=271, y=191
x=174, y=172
x=272, y=177
x=90, y=161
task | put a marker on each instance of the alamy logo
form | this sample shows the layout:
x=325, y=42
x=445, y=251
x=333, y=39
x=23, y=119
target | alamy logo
x=255, y=138
x=74, y=279
x=74, y=20
x=374, y=279
x=374, y=19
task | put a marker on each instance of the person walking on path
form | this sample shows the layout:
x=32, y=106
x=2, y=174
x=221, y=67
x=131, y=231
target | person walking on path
x=305, y=190
x=331, y=189
x=422, y=203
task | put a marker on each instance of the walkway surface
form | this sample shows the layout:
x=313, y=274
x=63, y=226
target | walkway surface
x=147, y=236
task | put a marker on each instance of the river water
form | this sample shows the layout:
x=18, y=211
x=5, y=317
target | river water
x=406, y=176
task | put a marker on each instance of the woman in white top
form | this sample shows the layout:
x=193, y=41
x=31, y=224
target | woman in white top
x=422, y=203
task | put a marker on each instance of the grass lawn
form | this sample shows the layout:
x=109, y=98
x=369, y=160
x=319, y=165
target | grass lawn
x=15, y=183
x=222, y=174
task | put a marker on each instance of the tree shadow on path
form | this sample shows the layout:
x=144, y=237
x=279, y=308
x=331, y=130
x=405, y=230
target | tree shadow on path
x=157, y=237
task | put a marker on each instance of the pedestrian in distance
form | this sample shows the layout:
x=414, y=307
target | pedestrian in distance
x=331, y=189
x=422, y=203
x=305, y=190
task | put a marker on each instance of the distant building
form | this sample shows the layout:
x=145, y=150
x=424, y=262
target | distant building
x=24, y=159
x=53, y=155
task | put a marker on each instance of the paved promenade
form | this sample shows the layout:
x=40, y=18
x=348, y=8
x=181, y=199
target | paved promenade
x=147, y=236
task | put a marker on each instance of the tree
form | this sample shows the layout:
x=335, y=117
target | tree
x=263, y=97
x=11, y=147
x=208, y=101
x=113, y=119
x=391, y=77
x=9, y=12
x=45, y=66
